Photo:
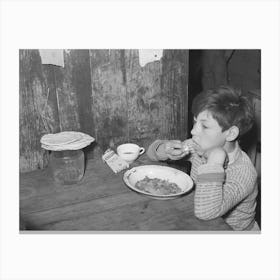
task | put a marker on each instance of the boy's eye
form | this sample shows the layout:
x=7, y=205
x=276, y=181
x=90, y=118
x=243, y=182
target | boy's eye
x=204, y=126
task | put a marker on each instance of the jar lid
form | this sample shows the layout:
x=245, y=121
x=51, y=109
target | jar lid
x=65, y=140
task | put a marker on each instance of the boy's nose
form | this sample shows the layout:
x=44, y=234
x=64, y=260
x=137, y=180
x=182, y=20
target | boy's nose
x=194, y=130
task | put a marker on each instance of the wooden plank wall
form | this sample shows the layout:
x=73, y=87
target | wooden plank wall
x=104, y=93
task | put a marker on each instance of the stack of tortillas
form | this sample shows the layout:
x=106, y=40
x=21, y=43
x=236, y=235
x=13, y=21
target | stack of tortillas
x=66, y=140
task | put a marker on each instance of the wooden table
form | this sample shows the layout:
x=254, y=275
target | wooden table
x=102, y=202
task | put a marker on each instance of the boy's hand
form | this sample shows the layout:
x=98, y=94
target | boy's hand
x=175, y=149
x=216, y=156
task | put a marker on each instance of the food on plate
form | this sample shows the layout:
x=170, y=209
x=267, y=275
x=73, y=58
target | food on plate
x=157, y=186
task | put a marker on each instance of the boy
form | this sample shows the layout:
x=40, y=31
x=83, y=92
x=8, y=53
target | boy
x=225, y=179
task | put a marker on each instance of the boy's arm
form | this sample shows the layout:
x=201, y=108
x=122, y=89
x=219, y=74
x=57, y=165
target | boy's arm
x=215, y=196
x=156, y=152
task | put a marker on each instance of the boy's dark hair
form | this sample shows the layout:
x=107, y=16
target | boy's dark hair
x=227, y=106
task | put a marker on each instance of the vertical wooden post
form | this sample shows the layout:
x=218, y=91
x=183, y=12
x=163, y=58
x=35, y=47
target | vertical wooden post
x=81, y=82
x=174, y=87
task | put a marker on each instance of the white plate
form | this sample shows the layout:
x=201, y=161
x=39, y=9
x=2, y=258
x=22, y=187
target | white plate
x=183, y=180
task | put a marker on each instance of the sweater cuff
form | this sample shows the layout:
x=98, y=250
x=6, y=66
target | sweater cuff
x=210, y=173
x=154, y=153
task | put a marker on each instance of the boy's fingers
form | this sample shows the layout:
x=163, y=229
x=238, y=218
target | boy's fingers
x=176, y=144
x=175, y=149
x=171, y=146
x=176, y=152
x=176, y=157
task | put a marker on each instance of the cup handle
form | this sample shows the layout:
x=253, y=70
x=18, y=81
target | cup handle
x=141, y=151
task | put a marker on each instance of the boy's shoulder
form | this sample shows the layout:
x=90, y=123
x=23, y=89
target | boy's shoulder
x=243, y=165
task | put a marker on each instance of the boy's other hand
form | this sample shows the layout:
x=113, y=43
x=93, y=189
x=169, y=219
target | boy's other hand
x=175, y=149
x=216, y=156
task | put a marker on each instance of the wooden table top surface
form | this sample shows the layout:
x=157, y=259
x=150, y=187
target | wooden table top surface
x=102, y=202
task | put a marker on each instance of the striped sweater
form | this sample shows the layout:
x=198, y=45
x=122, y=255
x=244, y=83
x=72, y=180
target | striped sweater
x=228, y=192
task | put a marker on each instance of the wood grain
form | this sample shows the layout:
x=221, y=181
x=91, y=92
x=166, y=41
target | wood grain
x=102, y=202
x=38, y=109
x=109, y=97
x=104, y=93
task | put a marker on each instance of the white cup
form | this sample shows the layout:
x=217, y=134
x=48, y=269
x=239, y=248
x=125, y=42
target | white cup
x=130, y=152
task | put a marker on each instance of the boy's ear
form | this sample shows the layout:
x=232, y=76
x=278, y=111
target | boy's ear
x=232, y=133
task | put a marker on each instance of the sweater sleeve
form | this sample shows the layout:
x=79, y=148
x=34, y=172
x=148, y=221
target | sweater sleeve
x=216, y=192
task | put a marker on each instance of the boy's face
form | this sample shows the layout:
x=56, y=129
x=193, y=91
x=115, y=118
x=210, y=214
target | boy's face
x=207, y=133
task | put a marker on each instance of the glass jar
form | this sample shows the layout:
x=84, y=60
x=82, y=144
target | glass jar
x=67, y=166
